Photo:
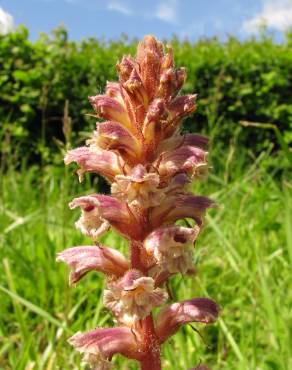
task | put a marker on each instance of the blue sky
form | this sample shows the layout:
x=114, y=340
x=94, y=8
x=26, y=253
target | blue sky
x=185, y=18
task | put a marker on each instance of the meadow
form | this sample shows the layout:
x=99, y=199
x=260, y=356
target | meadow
x=243, y=257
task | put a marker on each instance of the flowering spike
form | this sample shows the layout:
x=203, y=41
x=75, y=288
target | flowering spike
x=149, y=165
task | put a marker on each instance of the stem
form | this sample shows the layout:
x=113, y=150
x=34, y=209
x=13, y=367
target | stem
x=151, y=361
x=135, y=255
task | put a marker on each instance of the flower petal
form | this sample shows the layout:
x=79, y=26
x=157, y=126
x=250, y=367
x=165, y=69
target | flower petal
x=172, y=317
x=103, y=162
x=179, y=207
x=104, y=343
x=98, y=258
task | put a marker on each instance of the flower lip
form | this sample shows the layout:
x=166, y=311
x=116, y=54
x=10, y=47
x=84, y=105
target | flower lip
x=91, y=222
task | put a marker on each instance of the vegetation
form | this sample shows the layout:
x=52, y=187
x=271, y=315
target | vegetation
x=235, y=81
x=245, y=253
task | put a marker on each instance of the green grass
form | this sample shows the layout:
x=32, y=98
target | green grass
x=243, y=260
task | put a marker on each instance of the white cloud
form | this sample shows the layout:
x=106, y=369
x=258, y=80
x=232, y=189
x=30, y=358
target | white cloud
x=119, y=7
x=167, y=11
x=275, y=14
x=6, y=22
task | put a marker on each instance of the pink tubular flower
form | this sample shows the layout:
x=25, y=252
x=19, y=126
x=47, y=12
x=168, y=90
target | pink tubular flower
x=180, y=206
x=172, y=317
x=98, y=161
x=84, y=259
x=149, y=166
x=91, y=222
x=100, y=345
x=186, y=159
x=99, y=212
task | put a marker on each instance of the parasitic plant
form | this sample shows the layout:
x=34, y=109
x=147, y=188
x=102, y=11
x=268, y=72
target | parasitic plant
x=139, y=150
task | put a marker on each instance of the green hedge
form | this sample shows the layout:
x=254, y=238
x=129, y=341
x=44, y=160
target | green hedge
x=236, y=81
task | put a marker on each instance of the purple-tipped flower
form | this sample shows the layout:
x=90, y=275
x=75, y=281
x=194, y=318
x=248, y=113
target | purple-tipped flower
x=149, y=166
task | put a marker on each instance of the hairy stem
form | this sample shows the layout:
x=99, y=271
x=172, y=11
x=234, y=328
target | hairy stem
x=152, y=360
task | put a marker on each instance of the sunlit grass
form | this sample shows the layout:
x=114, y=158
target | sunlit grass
x=243, y=260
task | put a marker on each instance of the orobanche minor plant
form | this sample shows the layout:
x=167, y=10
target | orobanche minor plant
x=139, y=150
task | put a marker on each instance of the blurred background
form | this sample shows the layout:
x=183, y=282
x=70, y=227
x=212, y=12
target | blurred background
x=238, y=54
